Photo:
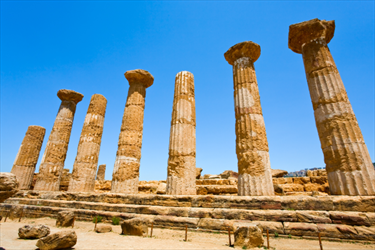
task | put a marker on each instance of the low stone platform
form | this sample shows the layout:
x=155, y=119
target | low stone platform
x=344, y=217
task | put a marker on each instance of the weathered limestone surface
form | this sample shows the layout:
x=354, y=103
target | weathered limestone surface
x=33, y=231
x=348, y=163
x=27, y=156
x=65, y=219
x=182, y=145
x=86, y=162
x=59, y=240
x=55, y=153
x=126, y=170
x=8, y=186
x=100, y=176
x=102, y=228
x=254, y=167
x=247, y=235
x=136, y=226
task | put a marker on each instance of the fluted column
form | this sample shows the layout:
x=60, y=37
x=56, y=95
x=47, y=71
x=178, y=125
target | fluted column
x=28, y=155
x=254, y=168
x=100, y=176
x=348, y=163
x=86, y=162
x=126, y=170
x=52, y=165
x=181, y=162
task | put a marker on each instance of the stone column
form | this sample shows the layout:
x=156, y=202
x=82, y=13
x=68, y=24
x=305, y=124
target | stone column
x=100, y=176
x=126, y=170
x=52, y=165
x=86, y=162
x=27, y=156
x=254, y=168
x=348, y=163
x=181, y=162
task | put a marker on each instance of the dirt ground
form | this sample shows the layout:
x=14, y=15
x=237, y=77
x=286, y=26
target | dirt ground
x=162, y=239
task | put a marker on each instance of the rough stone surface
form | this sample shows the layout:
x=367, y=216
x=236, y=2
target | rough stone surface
x=198, y=172
x=86, y=162
x=102, y=228
x=100, y=176
x=276, y=173
x=65, y=219
x=33, y=231
x=182, y=146
x=348, y=163
x=8, y=185
x=247, y=235
x=65, y=179
x=59, y=240
x=125, y=175
x=228, y=173
x=162, y=188
x=136, y=226
x=27, y=156
x=52, y=165
x=254, y=167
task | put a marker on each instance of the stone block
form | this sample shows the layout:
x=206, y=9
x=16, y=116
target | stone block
x=365, y=233
x=300, y=229
x=59, y=240
x=292, y=187
x=198, y=172
x=349, y=218
x=277, y=173
x=8, y=186
x=301, y=180
x=102, y=228
x=273, y=227
x=247, y=235
x=136, y=226
x=65, y=219
x=313, y=216
x=310, y=187
x=33, y=231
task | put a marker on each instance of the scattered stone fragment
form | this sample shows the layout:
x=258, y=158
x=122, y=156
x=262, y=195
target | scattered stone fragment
x=162, y=188
x=8, y=185
x=247, y=235
x=65, y=219
x=33, y=231
x=228, y=173
x=198, y=172
x=278, y=173
x=102, y=228
x=135, y=226
x=59, y=240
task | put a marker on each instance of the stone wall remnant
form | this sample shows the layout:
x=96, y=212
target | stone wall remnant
x=86, y=162
x=125, y=175
x=254, y=167
x=348, y=163
x=182, y=144
x=100, y=176
x=27, y=156
x=52, y=165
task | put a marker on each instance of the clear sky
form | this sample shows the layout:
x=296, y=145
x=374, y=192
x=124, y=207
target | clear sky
x=87, y=46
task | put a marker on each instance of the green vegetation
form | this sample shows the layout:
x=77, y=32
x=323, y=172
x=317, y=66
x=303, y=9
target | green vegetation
x=99, y=219
x=289, y=236
x=276, y=234
x=115, y=220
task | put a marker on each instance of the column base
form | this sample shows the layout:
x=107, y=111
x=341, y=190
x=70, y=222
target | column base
x=126, y=187
x=180, y=186
x=255, y=185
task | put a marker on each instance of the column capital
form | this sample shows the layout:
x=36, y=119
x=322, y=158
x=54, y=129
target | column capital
x=244, y=49
x=310, y=31
x=139, y=76
x=69, y=95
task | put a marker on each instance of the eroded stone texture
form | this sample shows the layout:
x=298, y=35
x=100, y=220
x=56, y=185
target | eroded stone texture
x=126, y=170
x=348, y=163
x=27, y=156
x=100, y=176
x=251, y=140
x=55, y=153
x=181, y=162
x=86, y=162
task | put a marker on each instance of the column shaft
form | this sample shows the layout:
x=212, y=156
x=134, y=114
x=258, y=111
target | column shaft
x=100, y=176
x=251, y=140
x=348, y=163
x=182, y=145
x=27, y=156
x=86, y=162
x=126, y=170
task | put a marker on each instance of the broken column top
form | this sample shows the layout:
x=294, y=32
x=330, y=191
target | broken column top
x=69, y=95
x=309, y=31
x=244, y=49
x=139, y=76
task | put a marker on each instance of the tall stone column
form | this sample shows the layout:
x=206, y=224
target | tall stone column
x=126, y=170
x=52, y=165
x=27, y=156
x=100, y=176
x=181, y=162
x=254, y=168
x=348, y=163
x=86, y=162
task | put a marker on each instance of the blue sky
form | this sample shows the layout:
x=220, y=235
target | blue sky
x=87, y=46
